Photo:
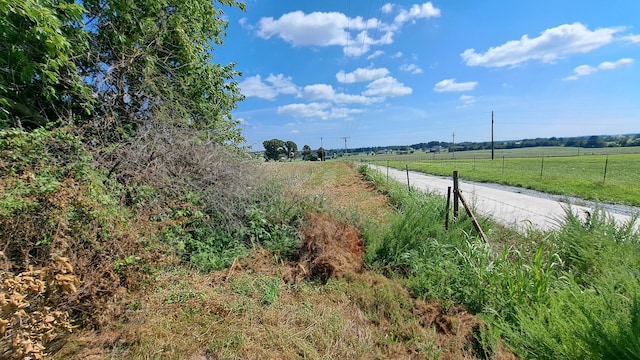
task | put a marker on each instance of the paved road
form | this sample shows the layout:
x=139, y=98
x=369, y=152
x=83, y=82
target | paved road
x=509, y=207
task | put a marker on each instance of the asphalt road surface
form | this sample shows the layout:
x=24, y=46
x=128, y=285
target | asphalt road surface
x=510, y=206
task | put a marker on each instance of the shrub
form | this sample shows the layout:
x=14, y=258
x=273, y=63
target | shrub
x=59, y=223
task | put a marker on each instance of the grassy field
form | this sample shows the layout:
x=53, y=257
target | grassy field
x=535, y=152
x=544, y=169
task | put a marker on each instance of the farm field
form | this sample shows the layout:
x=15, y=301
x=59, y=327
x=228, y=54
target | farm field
x=601, y=177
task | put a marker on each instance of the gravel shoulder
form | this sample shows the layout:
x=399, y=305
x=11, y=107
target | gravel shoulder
x=513, y=206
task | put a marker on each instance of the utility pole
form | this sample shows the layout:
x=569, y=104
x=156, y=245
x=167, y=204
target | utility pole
x=453, y=140
x=321, y=153
x=345, y=144
x=492, y=135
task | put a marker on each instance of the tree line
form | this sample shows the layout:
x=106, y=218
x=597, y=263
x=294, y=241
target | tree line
x=276, y=150
x=594, y=141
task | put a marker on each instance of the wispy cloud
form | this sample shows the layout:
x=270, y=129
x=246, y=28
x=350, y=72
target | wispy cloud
x=467, y=101
x=450, y=85
x=387, y=86
x=411, y=68
x=584, y=70
x=361, y=75
x=375, y=54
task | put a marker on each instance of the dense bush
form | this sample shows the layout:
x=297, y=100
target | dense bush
x=59, y=222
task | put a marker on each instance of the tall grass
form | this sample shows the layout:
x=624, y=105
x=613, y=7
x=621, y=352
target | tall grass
x=568, y=294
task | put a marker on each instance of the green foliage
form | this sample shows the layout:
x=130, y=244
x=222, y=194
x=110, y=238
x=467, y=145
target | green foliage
x=39, y=44
x=279, y=238
x=148, y=56
x=274, y=149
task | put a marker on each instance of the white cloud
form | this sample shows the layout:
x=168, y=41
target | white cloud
x=396, y=55
x=319, y=91
x=424, y=11
x=311, y=110
x=324, y=29
x=314, y=110
x=450, y=85
x=632, y=38
x=387, y=86
x=282, y=85
x=300, y=29
x=337, y=29
x=375, y=54
x=254, y=86
x=467, y=100
x=326, y=92
x=608, y=65
x=552, y=44
x=412, y=68
x=584, y=70
x=361, y=75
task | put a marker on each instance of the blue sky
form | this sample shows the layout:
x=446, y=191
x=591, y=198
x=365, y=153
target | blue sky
x=399, y=73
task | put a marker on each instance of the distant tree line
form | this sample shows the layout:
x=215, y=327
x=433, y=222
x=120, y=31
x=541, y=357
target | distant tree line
x=276, y=149
x=594, y=141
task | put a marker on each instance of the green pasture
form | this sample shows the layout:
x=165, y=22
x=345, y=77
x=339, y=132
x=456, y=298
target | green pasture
x=550, y=151
x=581, y=176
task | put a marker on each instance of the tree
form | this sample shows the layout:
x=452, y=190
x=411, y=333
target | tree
x=153, y=56
x=308, y=154
x=322, y=154
x=273, y=149
x=292, y=148
x=594, y=142
x=39, y=81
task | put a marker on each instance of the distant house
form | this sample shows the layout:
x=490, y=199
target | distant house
x=435, y=149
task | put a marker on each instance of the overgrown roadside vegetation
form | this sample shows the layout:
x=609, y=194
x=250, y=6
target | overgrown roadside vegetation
x=253, y=309
x=569, y=294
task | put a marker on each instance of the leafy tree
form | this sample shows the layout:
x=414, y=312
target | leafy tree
x=322, y=153
x=149, y=56
x=308, y=154
x=291, y=148
x=273, y=149
x=39, y=81
x=594, y=142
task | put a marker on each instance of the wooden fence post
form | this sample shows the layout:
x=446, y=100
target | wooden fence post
x=476, y=224
x=455, y=194
x=446, y=216
x=408, y=185
x=606, y=163
x=387, y=171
